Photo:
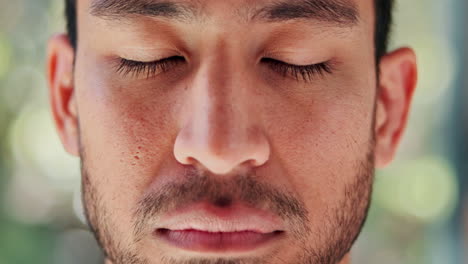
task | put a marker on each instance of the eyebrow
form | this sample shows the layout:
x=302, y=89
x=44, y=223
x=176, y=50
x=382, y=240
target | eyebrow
x=121, y=9
x=342, y=13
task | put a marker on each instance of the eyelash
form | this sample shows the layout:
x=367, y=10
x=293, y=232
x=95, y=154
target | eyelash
x=136, y=68
x=304, y=72
x=299, y=72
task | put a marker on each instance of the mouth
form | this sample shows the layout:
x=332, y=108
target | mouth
x=203, y=241
x=206, y=228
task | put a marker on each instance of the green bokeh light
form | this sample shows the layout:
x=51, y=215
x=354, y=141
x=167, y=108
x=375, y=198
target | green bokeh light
x=425, y=189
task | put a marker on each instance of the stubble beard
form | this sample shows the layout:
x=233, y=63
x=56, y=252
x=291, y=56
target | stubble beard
x=341, y=226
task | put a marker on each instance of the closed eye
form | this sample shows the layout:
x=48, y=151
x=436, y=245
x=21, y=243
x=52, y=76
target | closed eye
x=147, y=69
x=299, y=72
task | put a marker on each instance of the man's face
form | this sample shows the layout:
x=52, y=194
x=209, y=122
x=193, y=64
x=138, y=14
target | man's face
x=252, y=140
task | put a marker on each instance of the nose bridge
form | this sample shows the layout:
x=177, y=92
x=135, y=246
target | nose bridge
x=221, y=101
x=219, y=133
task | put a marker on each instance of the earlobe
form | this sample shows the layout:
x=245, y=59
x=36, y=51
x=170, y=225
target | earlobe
x=60, y=59
x=397, y=82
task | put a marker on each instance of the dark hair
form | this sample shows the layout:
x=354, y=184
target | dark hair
x=383, y=22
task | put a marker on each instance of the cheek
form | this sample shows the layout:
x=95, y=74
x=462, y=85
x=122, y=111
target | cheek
x=126, y=135
x=324, y=144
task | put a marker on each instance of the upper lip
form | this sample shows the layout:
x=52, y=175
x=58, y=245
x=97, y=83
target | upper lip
x=206, y=217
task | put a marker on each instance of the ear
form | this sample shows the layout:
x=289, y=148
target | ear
x=398, y=78
x=60, y=59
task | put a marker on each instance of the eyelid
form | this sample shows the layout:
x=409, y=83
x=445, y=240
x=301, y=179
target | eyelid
x=296, y=57
x=146, y=54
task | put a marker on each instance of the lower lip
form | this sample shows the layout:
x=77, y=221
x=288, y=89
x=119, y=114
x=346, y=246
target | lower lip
x=202, y=241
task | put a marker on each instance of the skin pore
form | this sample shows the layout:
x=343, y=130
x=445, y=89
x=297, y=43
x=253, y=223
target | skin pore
x=230, y=103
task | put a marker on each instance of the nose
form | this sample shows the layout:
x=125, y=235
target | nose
x=220, y=131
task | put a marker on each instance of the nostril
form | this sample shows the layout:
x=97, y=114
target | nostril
x=190, y=161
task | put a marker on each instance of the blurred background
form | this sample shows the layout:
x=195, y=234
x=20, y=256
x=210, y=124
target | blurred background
x=417, y=215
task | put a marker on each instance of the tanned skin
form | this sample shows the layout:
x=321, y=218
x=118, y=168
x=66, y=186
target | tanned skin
x=233, y=118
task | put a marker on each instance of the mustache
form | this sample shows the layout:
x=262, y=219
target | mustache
x=221, y=192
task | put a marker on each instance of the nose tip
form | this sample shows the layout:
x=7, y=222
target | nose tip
x=220, y=158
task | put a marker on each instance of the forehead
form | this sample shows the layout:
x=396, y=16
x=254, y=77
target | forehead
x=338, y=12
